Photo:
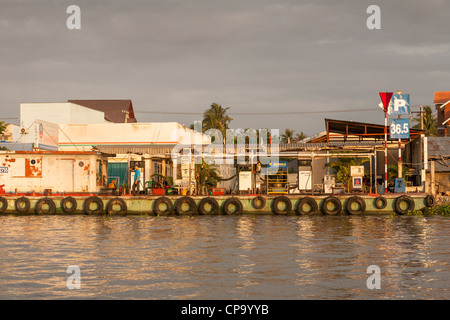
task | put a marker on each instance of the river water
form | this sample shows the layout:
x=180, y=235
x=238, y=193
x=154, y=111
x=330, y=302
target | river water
x=224, y=257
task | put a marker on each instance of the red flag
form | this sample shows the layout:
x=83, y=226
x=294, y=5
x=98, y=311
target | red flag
x=386, y=98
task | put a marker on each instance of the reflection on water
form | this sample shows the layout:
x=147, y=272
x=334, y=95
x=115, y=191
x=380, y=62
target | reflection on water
x=224, y=257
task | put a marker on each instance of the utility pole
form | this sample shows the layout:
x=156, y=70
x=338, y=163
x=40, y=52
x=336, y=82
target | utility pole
x=421, y=117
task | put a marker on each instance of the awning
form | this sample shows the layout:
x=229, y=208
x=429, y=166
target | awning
x=150, y=149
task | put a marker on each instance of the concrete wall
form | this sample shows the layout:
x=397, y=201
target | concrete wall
x=58, y=113
x=37, y=171
x=442, y=184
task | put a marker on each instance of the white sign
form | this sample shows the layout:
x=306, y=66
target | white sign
x=245, y=180
x=304, y=180
x=357, y=171
x=47, y=135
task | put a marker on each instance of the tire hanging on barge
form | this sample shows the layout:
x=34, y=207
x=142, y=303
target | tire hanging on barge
x=186, y=200
x=45, y=201
x=163, y=200
x=404, y=199
x=112, y=203
x=232, y=202
x=22, y=201
x=337, y=205
x=212, y=202
x=360, y=201
x=259, y=199
x=89, y=201
x=68, y=209
x=380, y=202
x=287, y=203
x=4, y=204
x=430, y=200
x=309, y=201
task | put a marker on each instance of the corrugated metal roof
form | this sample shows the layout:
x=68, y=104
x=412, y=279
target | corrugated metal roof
x=331, y=145
x=151, y=149
x=439, y=150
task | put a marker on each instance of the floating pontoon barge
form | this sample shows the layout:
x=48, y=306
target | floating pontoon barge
x=92, y=204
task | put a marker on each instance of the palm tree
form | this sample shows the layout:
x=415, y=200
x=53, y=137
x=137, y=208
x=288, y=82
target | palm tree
x=300, y=136
x=216, y=118
x=206, y=176
x=2, y=127
x=429, y=122
x=342, y=167
x=393, y=171
x=287, y=136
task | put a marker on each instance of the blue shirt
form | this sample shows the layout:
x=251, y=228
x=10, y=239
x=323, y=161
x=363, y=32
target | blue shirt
x=137, y=175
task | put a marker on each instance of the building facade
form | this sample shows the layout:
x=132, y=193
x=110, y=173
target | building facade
x=442, y=105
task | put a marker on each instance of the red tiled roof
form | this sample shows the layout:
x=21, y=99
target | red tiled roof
x=441, y=97
x=113, y=109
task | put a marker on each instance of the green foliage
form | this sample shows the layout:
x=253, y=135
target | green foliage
x=2, y=126
x=429, y=122
x=300, y=136
x=439, y=210
x=393, y=171
x=343, y=170
x=206, y=175
x=216, y=118
x=287, y=136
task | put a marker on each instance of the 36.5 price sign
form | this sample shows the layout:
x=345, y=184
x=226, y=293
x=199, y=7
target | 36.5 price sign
x=399, y=129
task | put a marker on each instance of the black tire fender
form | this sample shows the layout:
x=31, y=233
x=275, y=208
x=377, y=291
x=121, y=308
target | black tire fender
x=337, y=203
x=360, y=201
x=287, y=203
x=212, y=202
x=64, y=206
x=380, y=202
x=167, y=202
x=51, y=206
x=406, y=199
x=93, y=199
x=19, y=201
x=259, y=199
x=4, y=204
x=189, y=201
x=232, y=201
x=115, y=201
x=311, y=202
x=429, y=201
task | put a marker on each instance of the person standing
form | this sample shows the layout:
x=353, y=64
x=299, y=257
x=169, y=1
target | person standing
x=137, y=181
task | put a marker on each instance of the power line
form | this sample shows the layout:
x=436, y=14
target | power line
x=261, y=113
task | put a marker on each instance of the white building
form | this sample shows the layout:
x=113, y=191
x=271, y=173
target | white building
x=108, y=126
x=62, y=172
x=58, y=112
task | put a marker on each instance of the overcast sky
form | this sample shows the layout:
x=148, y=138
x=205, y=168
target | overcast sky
x=250, y=55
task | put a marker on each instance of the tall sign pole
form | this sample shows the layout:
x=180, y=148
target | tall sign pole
x=399, y=128
x=385, y=98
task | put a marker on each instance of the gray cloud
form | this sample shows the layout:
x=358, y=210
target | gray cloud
x=252, y=55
